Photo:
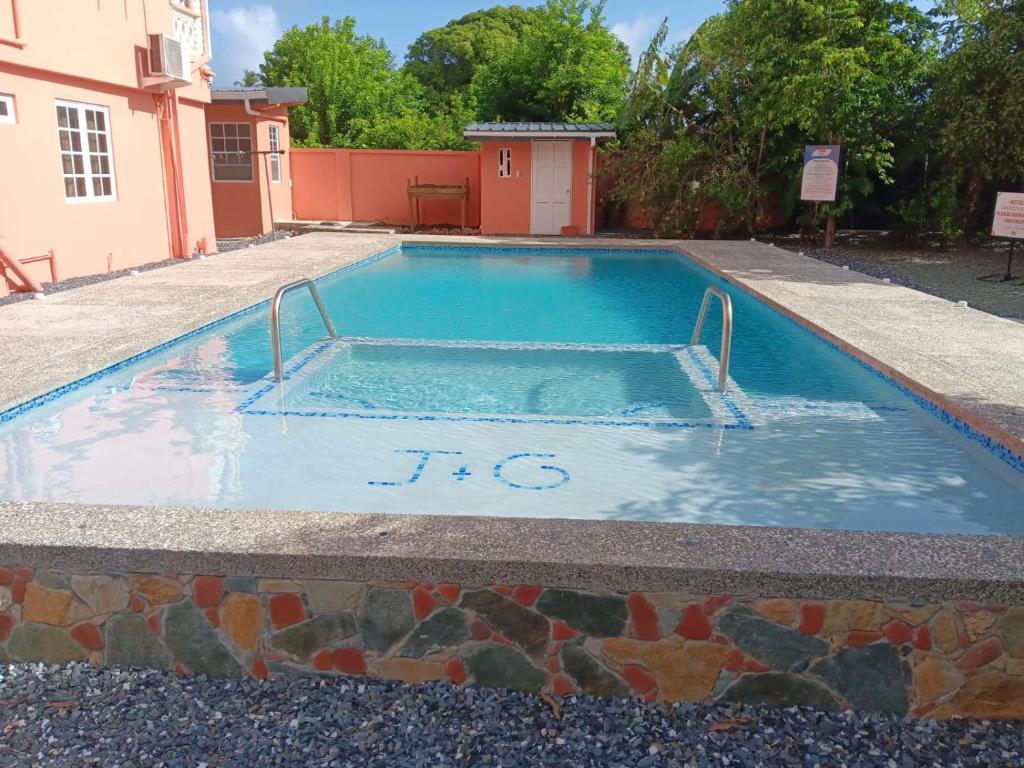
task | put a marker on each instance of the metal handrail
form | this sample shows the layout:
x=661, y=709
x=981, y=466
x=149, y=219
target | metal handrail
x=723, y=357
x=275, y=320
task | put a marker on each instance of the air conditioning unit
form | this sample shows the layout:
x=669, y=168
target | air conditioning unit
x=168, y=57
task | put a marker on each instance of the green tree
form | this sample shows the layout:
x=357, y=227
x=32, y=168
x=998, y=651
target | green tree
x=849, y=72
x=249, y=79
x=974, y=143
x=357, y=98
x=566, y=65
x=756, y=83
x=445, y=59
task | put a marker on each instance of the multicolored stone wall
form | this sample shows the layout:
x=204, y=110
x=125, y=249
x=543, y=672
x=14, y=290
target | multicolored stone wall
x=933, y=660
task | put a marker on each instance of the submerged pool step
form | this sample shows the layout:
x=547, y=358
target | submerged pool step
x=547, y=382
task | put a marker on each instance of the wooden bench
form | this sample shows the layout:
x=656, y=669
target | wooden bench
x=417, y=191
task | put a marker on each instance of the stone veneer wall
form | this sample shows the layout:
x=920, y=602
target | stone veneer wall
x=933, y=660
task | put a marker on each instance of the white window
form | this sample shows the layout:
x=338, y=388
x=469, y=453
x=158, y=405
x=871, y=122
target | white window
x=504, y=163
x=231, y=147
x=6, y=108
x=275, y=157
x=86, y=156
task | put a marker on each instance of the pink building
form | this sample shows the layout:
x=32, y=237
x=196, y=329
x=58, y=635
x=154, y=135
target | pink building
x=250, y=166
x=538, y=178
x=103, y=145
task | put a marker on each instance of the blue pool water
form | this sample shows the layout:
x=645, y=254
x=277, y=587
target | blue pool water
x=553, y=383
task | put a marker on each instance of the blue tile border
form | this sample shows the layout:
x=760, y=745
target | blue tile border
x=474, y=419
x=727, y=401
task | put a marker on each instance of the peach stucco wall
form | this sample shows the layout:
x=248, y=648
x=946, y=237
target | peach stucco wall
x=50, y=61
x=370, y=185
x=242, y=208
x=506, y=201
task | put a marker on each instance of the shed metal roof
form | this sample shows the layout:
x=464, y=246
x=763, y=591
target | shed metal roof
x=510, y=130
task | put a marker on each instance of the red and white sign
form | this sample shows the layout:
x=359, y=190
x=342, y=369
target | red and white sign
x=1009, y=218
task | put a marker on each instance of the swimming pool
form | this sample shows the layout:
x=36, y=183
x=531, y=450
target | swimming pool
x=514, y=382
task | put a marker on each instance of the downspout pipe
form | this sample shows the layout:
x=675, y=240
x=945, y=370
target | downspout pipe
x=590, y=186
x=173, y=173
x=247, y=105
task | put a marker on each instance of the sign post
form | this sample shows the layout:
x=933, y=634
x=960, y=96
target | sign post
x=1008, y=222
x=821, y=173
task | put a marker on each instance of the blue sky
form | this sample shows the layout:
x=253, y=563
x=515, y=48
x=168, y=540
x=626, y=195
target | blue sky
x=243, y=30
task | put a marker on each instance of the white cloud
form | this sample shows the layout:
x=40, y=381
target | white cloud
x=637, y=34
x=243, y=34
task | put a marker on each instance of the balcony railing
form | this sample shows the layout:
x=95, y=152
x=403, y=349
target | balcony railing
x=187, y=25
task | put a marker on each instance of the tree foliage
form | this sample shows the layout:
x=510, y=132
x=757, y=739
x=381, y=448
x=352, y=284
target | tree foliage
x=755, y=84
x=974, y=123
x=445, y=59
x=357, y=98
x=565, y=65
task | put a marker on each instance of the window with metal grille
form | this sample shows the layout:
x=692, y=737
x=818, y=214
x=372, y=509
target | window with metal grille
x=86, y=158
x=504, y=163
x=231, y=150
x=275, y=157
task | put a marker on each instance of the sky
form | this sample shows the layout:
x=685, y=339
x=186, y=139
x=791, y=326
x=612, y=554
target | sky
x=242, y=30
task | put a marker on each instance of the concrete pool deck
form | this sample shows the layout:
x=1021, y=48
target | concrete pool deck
x=967, y=361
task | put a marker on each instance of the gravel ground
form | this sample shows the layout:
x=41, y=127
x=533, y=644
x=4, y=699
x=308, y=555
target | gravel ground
x=973, y=275
x=77, y=715
x=223, y=246
x=78, y=282
x=235, y=243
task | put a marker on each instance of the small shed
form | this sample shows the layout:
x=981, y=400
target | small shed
x=250, y=167
x=538, y=178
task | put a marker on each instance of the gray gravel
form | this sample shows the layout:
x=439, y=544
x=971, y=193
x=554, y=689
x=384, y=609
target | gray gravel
x=223, y=246
x=974, y=275
x=78, y=715
x=237, y=243
x=78, y=282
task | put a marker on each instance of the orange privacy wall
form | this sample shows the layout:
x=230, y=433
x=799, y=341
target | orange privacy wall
x=370, y=184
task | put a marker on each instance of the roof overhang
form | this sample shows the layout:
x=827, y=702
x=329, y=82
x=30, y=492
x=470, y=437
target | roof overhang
x=261, y=97
x=484, y=135
x=491, y=131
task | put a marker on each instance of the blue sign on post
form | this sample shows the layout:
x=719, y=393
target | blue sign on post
x=821, y=173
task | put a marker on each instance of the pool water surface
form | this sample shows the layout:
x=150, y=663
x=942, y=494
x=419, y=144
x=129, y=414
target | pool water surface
x=515, y=382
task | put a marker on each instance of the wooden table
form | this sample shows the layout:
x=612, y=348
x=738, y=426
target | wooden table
x=417, y=191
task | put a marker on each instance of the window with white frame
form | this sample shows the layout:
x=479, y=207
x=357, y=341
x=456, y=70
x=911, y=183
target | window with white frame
x=86, y=157
x=6, y=108
x=231, y=147
x=504, y=162
x=275, y=156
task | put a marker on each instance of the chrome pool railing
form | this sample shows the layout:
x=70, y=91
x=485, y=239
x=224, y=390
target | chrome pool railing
x=275, y=320
x=723, y=357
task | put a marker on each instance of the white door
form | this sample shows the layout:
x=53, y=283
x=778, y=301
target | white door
x=551, y=191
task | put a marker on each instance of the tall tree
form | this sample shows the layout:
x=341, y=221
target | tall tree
x=848, y=71
x=566, y=65
x=248, y=79
x=756, y=83
x=357, y=98
x=974, y=139
x=445, y=59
